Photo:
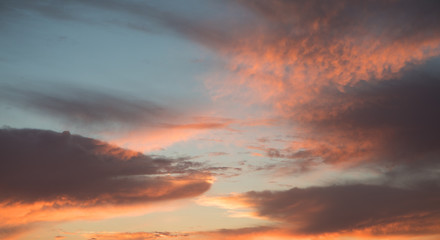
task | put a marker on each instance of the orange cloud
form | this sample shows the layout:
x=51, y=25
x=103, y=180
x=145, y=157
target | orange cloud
x=328, y=68
x=299, y=47
x=251, y=233
x=267, y=233
x=165, y=134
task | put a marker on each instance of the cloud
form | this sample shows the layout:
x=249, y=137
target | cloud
x=127, y=121
x=393, y=122
x=355, y=79
x=47, y=176
x=135, y=235
x=46, y=8
x=83, y=107
x=387, y=129
x=351, y=77
x=289, y=45
x=249, y=233
x=297, y=47
x=373, y=209
x=44, y=165
x=10, y=232
x=133, y=15
x=313, y=62
x=185, y=25
x=254, y=233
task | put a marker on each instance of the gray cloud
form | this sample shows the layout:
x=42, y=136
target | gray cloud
x=393, y=121
x=86, y=108
x=139, y=16
x=40, y=165
x=379, y=209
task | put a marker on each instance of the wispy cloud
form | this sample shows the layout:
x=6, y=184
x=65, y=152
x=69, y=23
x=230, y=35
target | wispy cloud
x=128, y=121
x=84, y=107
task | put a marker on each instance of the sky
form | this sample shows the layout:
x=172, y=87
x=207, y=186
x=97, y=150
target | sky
x=219, y=119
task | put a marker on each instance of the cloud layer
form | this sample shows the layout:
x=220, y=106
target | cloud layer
x=123, y=120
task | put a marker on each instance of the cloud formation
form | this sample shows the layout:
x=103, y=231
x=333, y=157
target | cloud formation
x=393, y=121
x=44, y=165
x=373, y=209
x=351, y=77
x=83, y=107
x=298, y=47
x=126, y=121
x=50, y=176
x=355, y=79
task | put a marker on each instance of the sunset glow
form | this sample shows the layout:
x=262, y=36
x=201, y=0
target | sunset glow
x=212, y=120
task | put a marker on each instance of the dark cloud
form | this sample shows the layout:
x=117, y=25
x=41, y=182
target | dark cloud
x=346, y=16
x=394, y=121
x=83, y=107
x=40, y=165
x=378, y=209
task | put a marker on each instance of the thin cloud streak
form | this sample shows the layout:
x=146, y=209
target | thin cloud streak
x=83, y=107
x=136, y=123
x=133, y=11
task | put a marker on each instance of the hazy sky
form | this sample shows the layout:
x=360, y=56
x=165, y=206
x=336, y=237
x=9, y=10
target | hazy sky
x=247, y=119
